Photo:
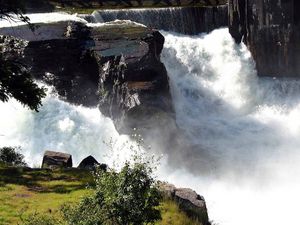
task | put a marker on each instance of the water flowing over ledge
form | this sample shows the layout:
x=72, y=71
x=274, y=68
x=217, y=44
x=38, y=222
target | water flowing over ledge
x=186, y=20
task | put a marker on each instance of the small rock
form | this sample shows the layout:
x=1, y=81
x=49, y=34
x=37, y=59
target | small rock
x=88, y=163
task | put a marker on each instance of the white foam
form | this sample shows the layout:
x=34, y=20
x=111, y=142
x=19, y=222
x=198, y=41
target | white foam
x=58, y=126
x=246, y=129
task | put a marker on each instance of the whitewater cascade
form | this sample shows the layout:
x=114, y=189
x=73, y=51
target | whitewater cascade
x=245, y=131
x=58, y=126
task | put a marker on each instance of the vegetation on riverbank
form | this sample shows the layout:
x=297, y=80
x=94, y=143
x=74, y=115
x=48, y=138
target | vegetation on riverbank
x=25, y=191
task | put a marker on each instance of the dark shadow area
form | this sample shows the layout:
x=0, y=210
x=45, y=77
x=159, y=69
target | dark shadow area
x=297, y=12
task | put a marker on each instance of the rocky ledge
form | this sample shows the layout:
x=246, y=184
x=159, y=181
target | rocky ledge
x=115, y=65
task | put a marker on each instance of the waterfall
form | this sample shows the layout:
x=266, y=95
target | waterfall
x=58, y=126
x=246, y=130
x=189, y=20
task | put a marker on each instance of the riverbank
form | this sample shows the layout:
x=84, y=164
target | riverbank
x=24, y=191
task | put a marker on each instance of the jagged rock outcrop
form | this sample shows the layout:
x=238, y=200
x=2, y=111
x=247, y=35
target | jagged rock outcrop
x=133, y=82
x=188, y=201
x=54, y=160
x=271, y=30
x=116, y=66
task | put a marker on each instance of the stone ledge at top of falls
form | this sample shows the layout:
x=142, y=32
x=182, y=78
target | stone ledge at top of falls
x=75, y=5
x=271, y=30
x=115, y=65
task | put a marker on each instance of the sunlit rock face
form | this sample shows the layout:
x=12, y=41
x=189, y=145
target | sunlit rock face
x=115, y=65
x=271, y=31
x=133, y=82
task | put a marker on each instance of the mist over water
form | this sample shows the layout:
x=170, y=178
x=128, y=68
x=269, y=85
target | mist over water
x=58, y=126
x=245, y=130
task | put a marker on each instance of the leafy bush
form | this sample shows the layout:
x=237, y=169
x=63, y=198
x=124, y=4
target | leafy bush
x=87, y=212
x=41, y=219
x=128, y=197
x=11, y=156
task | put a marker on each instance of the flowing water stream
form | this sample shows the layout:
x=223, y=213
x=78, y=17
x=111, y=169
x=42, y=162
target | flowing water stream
x=246, y=128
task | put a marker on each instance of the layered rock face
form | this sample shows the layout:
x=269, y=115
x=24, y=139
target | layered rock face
x=133, y=82
x=271, y=30
x=116, y=66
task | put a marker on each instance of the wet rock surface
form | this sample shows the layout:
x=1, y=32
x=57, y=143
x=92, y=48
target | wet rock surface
x=271, y=30
x=116, y=66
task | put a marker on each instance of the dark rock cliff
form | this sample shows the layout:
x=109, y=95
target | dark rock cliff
x=271, y=30
x=115, y=66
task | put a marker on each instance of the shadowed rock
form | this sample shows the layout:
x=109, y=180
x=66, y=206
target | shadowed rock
x=115, y=65
x=90, y=163
x=271, y=30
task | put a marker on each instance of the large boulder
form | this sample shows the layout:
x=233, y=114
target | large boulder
x=54, y=160
x=192, y=203
x=188, y=200
x=271, y=30
x=133, y=82
x=115, y=65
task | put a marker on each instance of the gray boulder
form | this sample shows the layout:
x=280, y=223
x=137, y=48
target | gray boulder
x=188, y=201
x=54, y=160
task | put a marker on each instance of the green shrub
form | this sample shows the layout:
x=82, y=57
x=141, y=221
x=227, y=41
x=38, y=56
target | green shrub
x=11, y=156
x=42, y=219
x=128, y=197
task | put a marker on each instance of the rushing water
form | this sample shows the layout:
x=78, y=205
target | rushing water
x=58, y=126
x=245, y=131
